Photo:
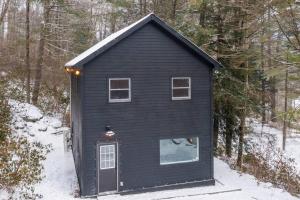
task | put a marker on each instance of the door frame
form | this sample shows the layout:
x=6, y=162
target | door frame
x=116, y=165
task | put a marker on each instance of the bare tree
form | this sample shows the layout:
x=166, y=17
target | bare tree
x=5, y=5
x=41, y=50
x=27, y=57
x=284, y=129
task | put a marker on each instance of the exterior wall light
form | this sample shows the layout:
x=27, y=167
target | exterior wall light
x=69, y=70
x=77, y=72
x=109, y=132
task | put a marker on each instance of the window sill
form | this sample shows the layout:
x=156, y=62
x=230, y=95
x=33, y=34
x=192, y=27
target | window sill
x=181, y=98
x=179, y=162
x=119, y=101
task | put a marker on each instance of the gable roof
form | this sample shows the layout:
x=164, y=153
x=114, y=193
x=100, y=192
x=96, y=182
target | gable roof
x=114, y=38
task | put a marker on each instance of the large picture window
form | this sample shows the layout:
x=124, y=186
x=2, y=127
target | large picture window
x=181, y=88
x=119, y=90
x=179, y=150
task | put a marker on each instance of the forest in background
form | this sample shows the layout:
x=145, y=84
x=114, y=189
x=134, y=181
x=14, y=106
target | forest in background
x=257, y=42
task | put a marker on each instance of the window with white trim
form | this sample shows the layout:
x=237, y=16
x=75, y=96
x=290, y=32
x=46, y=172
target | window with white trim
x=181, y=88
x=179, y=150
x=107, y=157
x=119, y=90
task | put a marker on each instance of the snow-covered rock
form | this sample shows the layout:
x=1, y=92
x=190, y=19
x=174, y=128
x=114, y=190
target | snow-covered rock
x=43, y=127
x=52, y=122
x=56, y=123
x=19, y=125
x=27, y=112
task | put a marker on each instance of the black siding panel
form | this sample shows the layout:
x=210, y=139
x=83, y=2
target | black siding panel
x=150, y=58
x=76, y=125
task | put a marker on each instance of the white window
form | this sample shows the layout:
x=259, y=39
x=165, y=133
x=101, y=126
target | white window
x=107, y=157
x=179, y=150
x=181, y=88
x=119, y=90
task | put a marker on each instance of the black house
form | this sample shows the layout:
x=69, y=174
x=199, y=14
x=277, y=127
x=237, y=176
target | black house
x=141, y=110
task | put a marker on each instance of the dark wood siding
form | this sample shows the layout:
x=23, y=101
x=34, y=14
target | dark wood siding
x=150, y=58
x=76, y=128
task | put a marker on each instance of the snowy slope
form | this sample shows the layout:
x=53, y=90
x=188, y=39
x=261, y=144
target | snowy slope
x=292, y=142
x=60, y=178
x=59, y=174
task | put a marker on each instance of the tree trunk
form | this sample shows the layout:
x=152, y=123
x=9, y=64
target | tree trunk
x=141, y=7
x=273, y=102
x=202, y=16
x=269, y=63
x=242, y=128
x=4, y=10
x=27, y=57
x=174, y=5
x=41, y=49
x=145, y=7
x=241, y=140
x=285, y=110
x=228, y=132
x=263, y=80
x=216, y=126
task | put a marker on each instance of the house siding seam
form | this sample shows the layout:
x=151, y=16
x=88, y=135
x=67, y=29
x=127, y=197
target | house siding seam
x=150, y=58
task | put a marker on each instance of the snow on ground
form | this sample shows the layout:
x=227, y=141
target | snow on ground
x=60, y=179
x=230, y=185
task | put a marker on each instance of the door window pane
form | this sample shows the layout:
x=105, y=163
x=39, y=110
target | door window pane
x=107, y=157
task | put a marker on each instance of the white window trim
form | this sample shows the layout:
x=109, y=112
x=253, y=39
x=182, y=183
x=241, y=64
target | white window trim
x=109, y=160
x=189, y=88
x=185, y=161
x=119, y=100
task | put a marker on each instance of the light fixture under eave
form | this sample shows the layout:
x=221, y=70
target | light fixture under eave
x=77, y=72
x=69, y=70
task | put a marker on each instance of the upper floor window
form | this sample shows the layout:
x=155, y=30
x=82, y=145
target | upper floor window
x=119, y=90
x=181, y=88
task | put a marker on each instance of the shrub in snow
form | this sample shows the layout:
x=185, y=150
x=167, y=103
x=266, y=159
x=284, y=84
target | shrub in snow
x=270, y=164
x=20, y=162
x=53, y=99
x=20, y=159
